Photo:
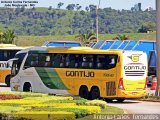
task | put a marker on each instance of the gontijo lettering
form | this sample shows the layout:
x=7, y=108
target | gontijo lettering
x=80, y=74
x=135, y=67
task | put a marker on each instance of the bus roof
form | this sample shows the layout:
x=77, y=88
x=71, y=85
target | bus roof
x=10, y=47
x=62, y=44
x=7, y=45
x=82, y=50
x=31, y=49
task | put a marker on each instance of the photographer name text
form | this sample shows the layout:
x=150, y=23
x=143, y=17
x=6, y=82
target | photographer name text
x=20, y=3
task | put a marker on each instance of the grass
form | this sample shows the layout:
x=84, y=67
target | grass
x=151, y=98
x=39, y=40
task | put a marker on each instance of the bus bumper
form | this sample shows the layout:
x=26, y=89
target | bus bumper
x=132, y=94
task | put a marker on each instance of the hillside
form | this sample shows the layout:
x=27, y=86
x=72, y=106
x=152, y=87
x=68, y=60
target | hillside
x=49, y=21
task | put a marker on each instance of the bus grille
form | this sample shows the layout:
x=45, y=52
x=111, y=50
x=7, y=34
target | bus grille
x=134, y=73
x=110, y=88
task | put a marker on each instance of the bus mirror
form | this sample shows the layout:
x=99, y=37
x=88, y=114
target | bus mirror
x=7, y=65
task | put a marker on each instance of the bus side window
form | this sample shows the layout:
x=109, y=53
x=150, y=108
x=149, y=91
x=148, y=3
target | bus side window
x=62, y=61
x=113, y=61
x=72, y=61
x=87, y=61
x=56, y=61
x=34, y=60
x=100, y=62
x=108, y=61
x=41, y=60
x=27, y=62
x=6, y=55
x=67, y=62
x=47, y=61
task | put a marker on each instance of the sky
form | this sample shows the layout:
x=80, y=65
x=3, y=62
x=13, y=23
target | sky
x=115, y=4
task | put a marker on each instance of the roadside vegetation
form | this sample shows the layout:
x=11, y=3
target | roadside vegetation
x=7, y=36
x=38, y=106
x=152, y=98
x=39, y=40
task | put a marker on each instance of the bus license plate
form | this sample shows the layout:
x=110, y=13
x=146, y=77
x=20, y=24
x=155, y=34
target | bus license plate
x=134, y=93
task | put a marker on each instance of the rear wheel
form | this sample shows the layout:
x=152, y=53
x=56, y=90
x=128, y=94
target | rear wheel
x=83, y=92
x=94, y=94
x=120, y=100
x=27, y=87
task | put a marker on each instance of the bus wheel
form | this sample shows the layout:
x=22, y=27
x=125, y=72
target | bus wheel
x=83, y=92
x=120, y=100
x=108, y=100
x=27, y=87
x=7, y=81
x=94, y=94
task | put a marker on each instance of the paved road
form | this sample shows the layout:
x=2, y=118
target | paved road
x=138, y=107
x=3, y=88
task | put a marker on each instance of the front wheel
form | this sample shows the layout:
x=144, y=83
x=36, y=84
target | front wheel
x=27, y=87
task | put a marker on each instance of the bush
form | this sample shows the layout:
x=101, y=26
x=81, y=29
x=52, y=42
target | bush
x=43, y=104
x=11, y=117
x=100, y=103
x=80, y=111
x=9, y=97
x=45, y=115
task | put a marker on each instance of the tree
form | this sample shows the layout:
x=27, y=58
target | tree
x=147, y=26
x=92, y=7
x=85, y=39
x=60, y=4
x=9, y=36
x=78, y=7
x=70, y=6
x=121, y=37
x=87, y=8
x=1, y=37
x=50, y=8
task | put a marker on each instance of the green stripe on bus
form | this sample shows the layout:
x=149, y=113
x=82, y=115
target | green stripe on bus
x=50, y=78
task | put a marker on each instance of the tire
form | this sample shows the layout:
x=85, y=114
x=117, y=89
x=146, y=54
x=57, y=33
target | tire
x=95, y=93
x=27, y=87
x=108, y=100
x=83, y=92
x=120, y=100
x=7, y=81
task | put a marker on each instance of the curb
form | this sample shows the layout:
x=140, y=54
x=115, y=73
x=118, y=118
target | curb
x=150, y=100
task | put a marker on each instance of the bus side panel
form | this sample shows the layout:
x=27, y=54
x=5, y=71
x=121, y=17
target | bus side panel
x=50, y=78
x=3, y=75
x=44, y=80
x=4, y=71
x=74, y=78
